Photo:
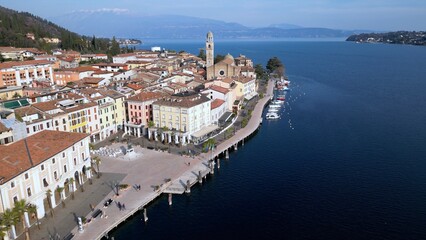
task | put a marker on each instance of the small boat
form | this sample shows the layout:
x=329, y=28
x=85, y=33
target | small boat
x=273, y=110
x=278, y=102
x=274, y=106
x=281, y=97
x=286, y=89
x=272, y=116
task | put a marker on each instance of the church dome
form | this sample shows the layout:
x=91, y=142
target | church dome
x=229, y=56
x=209, y=34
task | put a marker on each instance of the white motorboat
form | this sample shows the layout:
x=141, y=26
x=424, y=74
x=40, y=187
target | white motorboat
x=271, y=110
x=278, y=102
x=272, y=115
x=274, y=106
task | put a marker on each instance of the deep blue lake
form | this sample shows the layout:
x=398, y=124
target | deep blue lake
x=353, y=167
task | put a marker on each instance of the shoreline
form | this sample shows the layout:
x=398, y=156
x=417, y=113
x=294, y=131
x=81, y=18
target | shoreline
x=184, y=175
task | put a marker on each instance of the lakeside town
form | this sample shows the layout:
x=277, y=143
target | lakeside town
x=60, y=110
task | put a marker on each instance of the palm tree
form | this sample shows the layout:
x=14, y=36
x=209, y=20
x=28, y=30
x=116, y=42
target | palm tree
x=59, y=190
x=71, y=182
x=97, y=161
x=32, y=209
x=49, y=200
x=20, y=208
x=8, y=222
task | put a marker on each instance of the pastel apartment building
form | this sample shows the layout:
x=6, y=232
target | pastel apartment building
x=140, y=112
x=25, y=72
x=185, y=117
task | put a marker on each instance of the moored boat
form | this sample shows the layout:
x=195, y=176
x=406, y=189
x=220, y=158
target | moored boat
x=272, y=116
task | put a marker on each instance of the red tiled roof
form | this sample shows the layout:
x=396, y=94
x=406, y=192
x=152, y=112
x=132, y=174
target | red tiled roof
x=219, y=89
x=216, y=103
x=15, y=159
x=145, y=96
x=134, y=86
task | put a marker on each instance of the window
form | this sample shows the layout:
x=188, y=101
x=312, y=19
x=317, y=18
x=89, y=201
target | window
x=15, y=199
x=55, y=175
x=53, y=161
x=48, y=125
x=29, y=192
x=26, y=176
x=65, y=168
x=73, y=148
x=42, y=167
x=82, y=156
x=45, y=184
x=75, y=161
x=63, y=121
x=34, y=128
x=81, y=144
x=12, y=184
x=63, y=154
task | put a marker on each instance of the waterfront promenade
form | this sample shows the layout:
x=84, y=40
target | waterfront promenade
x=156, y=173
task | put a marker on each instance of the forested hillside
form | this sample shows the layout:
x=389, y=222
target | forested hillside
x=14, y=27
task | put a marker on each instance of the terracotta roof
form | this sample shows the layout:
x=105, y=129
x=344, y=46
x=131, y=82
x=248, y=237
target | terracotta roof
x=15, y=159
x=92, y=80
x=30, y=110
x=110, y=64
x=146, y=96
x=23, y=63
x=79, y=69
x=46, y=106
x=217, y=103
x=134, y=86
x=185, y=102
x=244, y=79
x=3, y=128
x=247, y=69
x=111, y=93
x=227, y=80
x=219, y=89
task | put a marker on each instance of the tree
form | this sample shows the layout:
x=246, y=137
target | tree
x=16, y=95
x=49, y=201
x=8, y=221
x=209, y=144
x=59, y=190
x=151, y=124
x=260, y=71
x=96, y=160
x=273, y=64
x=20, y=208
x=32, y=209
x=71, y=182
x=218, y=58
x=115, y=47
x=202, y=54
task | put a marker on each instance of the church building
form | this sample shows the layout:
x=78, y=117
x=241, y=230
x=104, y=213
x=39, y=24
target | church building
x=222, y=69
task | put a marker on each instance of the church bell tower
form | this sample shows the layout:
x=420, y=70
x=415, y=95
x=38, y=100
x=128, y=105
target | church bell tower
x=209, y=50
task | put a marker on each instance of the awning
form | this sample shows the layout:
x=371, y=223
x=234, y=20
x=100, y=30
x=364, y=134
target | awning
x=205, y=131
x=16, y=104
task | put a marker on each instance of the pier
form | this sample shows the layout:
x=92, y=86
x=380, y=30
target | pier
x=158, y=173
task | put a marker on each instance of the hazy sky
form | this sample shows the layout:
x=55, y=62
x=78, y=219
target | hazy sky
x=340, y=14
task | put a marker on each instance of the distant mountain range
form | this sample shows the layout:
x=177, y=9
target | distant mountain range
x=123, y=24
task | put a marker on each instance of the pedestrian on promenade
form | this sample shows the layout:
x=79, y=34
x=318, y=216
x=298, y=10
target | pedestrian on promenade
x=124, y=206
x=139, y=187
x=119, y=206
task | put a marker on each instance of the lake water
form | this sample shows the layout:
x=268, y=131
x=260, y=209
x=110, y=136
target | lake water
x=353, y=167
